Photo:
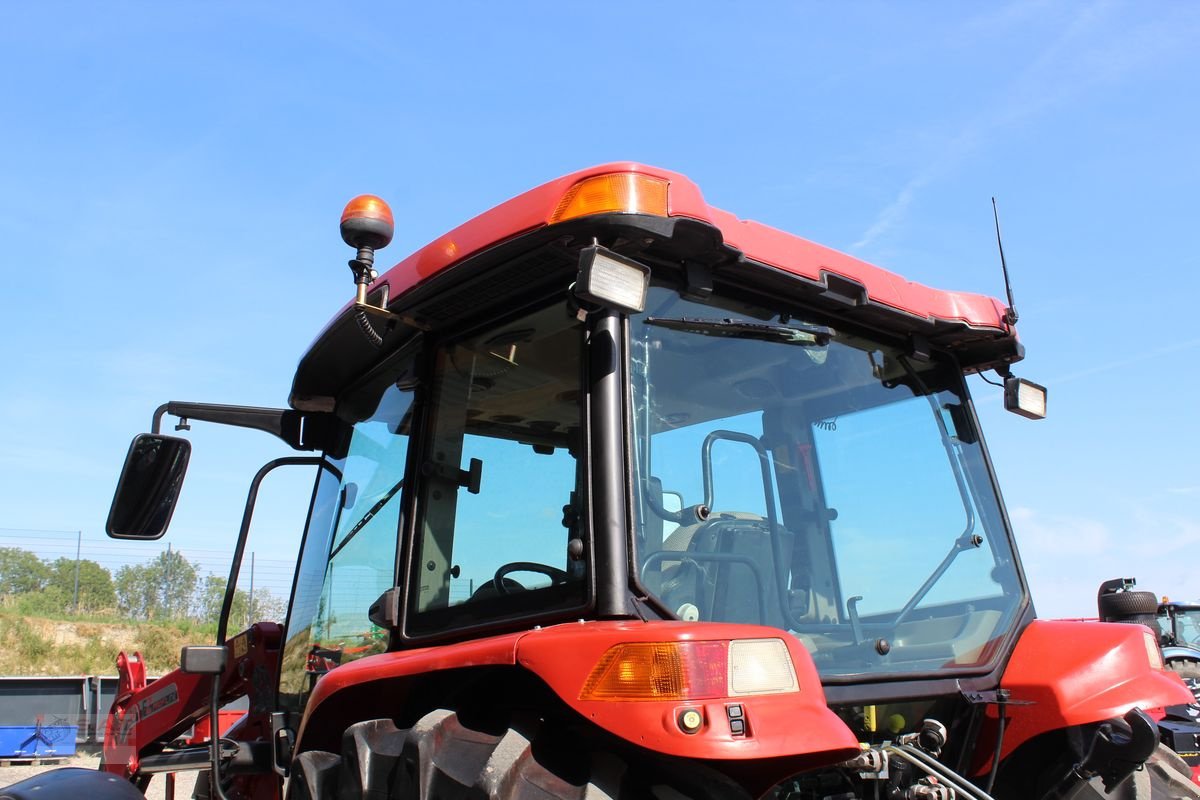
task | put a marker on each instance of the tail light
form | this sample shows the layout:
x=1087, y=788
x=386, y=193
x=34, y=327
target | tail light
x=691, y=670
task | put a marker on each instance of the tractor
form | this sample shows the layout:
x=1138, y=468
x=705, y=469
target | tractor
x=616, y=495
x=1180, y=623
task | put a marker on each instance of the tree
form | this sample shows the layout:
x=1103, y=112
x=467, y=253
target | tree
x=159, y=589
x=96, y=591
x=21, y=571
x=212, y=596
x=267, y=607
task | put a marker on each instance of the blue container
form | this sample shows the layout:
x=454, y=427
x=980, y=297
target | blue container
x=37, y=741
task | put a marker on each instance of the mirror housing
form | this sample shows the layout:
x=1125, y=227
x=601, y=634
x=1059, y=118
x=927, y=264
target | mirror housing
x=149, y=487
x=201, y=659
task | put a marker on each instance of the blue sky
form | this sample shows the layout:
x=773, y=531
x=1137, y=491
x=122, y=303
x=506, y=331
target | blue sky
x=173, y=175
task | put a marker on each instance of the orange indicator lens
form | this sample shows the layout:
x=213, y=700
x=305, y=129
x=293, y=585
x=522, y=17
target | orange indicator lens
x=625, y=192
x=369, y=206
x=660, y=671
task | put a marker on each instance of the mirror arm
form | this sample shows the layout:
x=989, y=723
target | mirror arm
x=301, y=431
x=240, y=548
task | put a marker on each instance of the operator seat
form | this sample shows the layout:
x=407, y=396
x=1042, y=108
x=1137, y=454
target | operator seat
x=724, y=590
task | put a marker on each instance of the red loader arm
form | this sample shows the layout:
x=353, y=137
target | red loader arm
x=147, y=717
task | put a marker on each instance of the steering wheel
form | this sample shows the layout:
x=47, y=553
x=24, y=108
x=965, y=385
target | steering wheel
x=508, y=585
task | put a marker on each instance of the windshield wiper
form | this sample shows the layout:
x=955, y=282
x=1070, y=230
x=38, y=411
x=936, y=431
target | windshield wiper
x=367, y=517
x=803, y=335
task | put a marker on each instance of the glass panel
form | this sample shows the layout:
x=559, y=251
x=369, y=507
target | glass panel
x=900, y=513
x=1187, y=626
x=500, y=499
x=831, y=485
x=349, y=555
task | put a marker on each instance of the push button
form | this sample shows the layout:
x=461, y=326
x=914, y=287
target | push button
x=737, y=719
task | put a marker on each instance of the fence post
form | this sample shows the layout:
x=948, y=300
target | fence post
x=78, y=547
x=250, y=605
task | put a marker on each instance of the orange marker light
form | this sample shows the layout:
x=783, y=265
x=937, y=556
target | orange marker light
x=367, y=205
x=367, y=222
x=624, y=192
x=660, y=671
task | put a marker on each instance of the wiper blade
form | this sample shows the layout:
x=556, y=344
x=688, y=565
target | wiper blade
x=367, y=517
x=802, y=335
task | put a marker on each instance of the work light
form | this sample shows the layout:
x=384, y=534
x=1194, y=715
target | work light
x=612, y=281
x=1024, y=397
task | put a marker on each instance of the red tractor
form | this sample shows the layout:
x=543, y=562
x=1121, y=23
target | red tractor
x=617, y=495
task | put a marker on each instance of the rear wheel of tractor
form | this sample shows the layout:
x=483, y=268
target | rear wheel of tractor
x=442, y=758
x=1121, y=605
x=1165, y=777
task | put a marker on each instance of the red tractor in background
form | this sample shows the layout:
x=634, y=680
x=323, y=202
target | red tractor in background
x=617, y=495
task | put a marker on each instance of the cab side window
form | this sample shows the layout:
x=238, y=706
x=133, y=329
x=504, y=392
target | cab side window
x=499, y=523
x=349, y=555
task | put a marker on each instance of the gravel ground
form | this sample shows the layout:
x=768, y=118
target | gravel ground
x=183, y=783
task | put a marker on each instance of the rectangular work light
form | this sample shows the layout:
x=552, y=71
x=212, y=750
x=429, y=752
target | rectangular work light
x=612, y=281
x=1024, y=397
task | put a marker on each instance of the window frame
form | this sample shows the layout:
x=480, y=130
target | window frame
x=727, y=297
x=410, y=632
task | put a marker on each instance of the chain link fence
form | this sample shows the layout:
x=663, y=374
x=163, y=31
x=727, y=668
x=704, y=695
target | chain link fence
x=66, y=572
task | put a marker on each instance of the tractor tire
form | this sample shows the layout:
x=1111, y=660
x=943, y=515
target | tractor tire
x=1122, y=606
x=1165, y=777
x=1185, y=668
x=440, y=758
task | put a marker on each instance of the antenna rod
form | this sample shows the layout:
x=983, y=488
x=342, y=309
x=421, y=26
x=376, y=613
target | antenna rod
x=1010, y=316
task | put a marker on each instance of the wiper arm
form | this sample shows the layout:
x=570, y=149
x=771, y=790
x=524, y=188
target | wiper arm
x=367, y=517
x=802, y=335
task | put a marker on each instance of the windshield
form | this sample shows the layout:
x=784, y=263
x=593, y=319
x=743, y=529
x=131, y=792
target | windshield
x=1185, y=625
x=794, y=475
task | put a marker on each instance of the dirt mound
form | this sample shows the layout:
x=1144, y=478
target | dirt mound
x=36, y=646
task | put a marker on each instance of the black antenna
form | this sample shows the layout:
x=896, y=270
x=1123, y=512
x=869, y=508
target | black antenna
x=1010, y=316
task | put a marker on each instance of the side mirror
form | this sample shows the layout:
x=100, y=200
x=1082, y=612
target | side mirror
x=202, y=659
x=149, y=487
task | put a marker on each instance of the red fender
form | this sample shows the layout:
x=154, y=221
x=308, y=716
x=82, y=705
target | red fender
x=795, y=724
x=1063, y=674
x=785, y=733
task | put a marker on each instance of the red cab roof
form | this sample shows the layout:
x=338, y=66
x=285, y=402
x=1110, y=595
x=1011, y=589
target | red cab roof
x=762, y=243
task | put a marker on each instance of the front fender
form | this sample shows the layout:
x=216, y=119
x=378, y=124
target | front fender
x=1064, y=674
x=1180, y=653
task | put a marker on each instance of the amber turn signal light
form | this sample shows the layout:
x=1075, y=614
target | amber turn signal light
x=660, y=671
x=621, y=192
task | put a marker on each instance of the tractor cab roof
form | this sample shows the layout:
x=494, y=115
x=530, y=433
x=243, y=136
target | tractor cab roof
x=973, y=323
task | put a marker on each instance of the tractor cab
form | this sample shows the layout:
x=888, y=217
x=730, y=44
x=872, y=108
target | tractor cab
x=1180, y=623
x=619, y=495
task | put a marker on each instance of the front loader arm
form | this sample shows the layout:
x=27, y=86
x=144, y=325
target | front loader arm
x=146, y=717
